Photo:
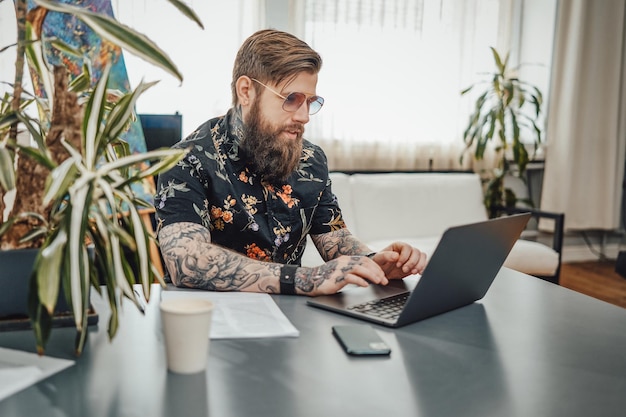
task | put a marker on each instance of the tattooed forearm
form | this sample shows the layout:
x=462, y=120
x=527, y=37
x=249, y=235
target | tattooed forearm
x=193, y=261
x=337, y=243
x=309, y=279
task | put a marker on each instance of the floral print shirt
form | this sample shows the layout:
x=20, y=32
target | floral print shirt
x=213, y=186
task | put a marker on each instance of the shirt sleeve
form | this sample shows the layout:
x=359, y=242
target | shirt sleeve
x=181, y=195
x=328, y=216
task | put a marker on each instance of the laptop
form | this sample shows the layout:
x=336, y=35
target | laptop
x=460, y=271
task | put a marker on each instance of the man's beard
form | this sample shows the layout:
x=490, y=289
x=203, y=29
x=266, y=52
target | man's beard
x=269, y=155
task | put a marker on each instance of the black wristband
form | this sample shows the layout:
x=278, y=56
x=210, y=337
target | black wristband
x=288, y=279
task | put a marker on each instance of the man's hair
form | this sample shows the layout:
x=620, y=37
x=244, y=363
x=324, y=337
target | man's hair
x=273, y=56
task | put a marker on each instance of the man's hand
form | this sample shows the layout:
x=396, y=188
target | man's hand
x=336, y=274
x=399, y=260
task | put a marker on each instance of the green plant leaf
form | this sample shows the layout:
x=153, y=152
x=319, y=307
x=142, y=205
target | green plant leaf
x=187, y=11
x=123, y=111
x=118, y=268
x=20, y=217
x=7, y=120
x=104, y=267
x=514, y=125
x=116, y=150
x=509, y=198
x=107, y=209
x=521, y=158
x=497, y=60
x=82, y=82
x=37, y=135
x=526, y=201
x=165, y=159
x=467, y=90
x=538, y=134
x=93, y=120
x=538, y=96
x=79, y=196
x=492, y=126
x=143, y=256
x=508, y=91
x=39, y=317
x=536, y=102
x=41, y=157
x=168, y=157
x=63, y=47
x=497, y=88
x=38, y=64
x=7, y=171
x=85, y=280
x=520, y=95
x=60, y=180
x=7, y=225
x=48, y=267
x=33, y=234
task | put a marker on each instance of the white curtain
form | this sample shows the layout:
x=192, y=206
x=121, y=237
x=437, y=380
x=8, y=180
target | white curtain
x=393, y=73
x=586, y=130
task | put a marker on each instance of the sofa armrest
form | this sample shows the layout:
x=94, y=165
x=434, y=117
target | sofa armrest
x=558, y=218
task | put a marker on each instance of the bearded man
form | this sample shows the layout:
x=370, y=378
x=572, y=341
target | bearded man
x=234, y=214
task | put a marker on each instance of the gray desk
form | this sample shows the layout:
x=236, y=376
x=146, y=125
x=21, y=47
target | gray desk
x=529, y=349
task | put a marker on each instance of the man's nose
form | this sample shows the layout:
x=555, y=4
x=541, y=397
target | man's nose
x=302, y=114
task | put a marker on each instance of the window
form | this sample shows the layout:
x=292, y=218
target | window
x=393, y=73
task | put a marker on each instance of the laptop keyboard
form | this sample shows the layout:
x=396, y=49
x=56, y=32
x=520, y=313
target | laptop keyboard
x=386, y=308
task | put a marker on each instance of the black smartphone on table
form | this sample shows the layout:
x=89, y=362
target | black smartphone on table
x=360, y=340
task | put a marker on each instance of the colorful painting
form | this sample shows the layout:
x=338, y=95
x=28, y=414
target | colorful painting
x=97, y=53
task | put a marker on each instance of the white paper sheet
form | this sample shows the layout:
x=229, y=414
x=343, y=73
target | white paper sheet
x=19, y=369
x=242, y=315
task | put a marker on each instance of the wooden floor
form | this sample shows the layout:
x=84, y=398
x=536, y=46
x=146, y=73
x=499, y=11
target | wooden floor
x=596, y=279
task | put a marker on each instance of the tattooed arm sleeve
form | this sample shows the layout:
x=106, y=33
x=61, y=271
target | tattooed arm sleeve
x=193, y=261
x=339, y=242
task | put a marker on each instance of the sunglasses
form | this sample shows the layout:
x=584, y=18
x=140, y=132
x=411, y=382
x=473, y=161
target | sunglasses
x=294, y=100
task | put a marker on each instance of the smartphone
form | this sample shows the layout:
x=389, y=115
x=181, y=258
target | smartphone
x=360, y=339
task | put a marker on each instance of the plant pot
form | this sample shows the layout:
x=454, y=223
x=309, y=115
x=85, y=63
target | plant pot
x=15, y=274
x=16, y=267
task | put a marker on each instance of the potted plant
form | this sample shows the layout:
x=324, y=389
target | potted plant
x=74, y=205
x=500, y=115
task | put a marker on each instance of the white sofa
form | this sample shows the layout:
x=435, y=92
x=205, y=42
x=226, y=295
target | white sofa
x=417, y=207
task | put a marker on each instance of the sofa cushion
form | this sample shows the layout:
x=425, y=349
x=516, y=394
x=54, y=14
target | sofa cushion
x=533, y=258
x=392, y=205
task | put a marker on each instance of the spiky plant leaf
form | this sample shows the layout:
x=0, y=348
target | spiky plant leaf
x=49, y=271
x=7, y=171
x=187, y=11
x=60, y=180
x=92, y=122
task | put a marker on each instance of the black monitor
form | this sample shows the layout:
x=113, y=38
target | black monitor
x=161, y=130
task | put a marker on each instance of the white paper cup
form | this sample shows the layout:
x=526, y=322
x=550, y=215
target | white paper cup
x=186, y=328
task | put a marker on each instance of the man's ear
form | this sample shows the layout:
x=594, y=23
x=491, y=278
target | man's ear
x=245, y=91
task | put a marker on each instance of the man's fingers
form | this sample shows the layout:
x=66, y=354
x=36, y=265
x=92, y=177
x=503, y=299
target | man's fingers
x=369, y=271
x=356, y=280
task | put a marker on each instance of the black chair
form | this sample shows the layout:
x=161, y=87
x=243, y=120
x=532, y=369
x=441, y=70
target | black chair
x=160, y=131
